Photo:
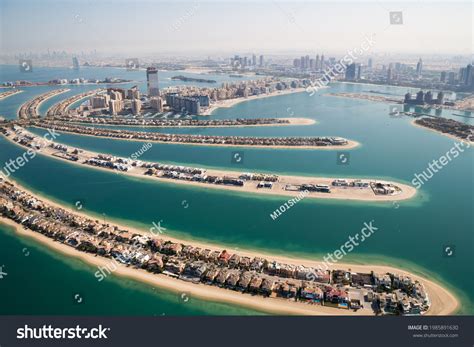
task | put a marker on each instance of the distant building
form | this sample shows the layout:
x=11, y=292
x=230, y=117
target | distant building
x=152, y=81
x=359, y=71
x=75, y=63
x=136, y=106
x=440, y=98
x=419, y=67
x=443, y=76
x=369, y=63
x=428, y=97
x=468, y=78
x=116, y=93
x=100, y=101
x=133, y=93
x=451, y=78
x=156, y=104
x=261, y=61
x=183, y=104
x=254, y=60
x=389, y=75
x=317, y=63
x=115, y=106
x=351, y=72
x=420, y=97
x=322, y=62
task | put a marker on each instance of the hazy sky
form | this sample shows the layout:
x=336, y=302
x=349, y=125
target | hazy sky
x=146, y=26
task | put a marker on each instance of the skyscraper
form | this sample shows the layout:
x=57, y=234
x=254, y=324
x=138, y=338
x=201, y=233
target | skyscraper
x=369, y=63
x=389, y=74
x=261, y=61
x=443, y=76
x=468, y=75
x=152, y=81
x=136, y=106
x=351, y=72
x=254, y=60
x=75, y=63
x=322, y=61
x=317, y=66
x=419, y=67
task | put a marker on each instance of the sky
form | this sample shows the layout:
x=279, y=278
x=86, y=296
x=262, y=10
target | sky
x=266, y=26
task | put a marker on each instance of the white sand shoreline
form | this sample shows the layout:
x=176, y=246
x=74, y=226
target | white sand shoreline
x=292, y=122
x=341, y=193
x=350, y=143
x=232, y=102
x=443, y=302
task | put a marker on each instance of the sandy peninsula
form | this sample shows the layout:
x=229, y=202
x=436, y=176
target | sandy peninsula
x=232, y=102
x=413, y=122
x=291, y=121
x=341, y=193
x=442, y=301
x=11, y=92
x=351, y=144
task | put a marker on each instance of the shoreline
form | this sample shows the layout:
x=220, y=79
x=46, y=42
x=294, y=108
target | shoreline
x=443, y=302
x=53, y=93
x=412, y=122
x=351, y=144
x=338, y=193
x=232, y=102
x=5, y=95
x=292, y=122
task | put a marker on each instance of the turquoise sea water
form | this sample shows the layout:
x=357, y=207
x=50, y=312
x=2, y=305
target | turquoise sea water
x=411, y=234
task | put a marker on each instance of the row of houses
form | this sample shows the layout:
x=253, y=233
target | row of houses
x=255, y=275
x=187, y=138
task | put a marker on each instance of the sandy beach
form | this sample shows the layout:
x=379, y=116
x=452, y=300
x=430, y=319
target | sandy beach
x=232, y=102
x=342, y=193
x=4, y=95
x=350, y=143
x=442, y=301
x=292, y=121
x=52, y=93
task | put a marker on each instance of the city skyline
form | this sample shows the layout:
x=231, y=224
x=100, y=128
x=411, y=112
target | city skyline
x=210, y=27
